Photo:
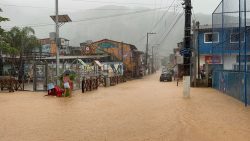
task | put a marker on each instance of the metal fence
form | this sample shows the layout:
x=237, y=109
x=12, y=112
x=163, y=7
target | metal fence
x=231, y=43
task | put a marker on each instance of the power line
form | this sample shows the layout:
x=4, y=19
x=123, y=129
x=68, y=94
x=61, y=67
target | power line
x=97, y=9
x=95, y=18
x=176, y=16
x=158, y=22
x=165, y=13
x=166, y=36
x=176, y=20
x=25, y=6
x=112, y=2
x=118, y=15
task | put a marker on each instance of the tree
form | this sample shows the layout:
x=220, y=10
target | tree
x=22, y=41
x=2, y=19
x=3, y=44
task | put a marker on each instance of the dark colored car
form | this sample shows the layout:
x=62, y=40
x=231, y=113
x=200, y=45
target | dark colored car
x=166, y=76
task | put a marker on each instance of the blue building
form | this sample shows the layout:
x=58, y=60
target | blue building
x=220, y=48
x=230, y=21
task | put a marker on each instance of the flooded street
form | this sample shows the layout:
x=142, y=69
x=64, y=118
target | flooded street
x=139, y=110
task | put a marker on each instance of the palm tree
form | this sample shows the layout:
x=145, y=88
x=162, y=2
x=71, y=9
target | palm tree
x=23, y=40
x=3, y=44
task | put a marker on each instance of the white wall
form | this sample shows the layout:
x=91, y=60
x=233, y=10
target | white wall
x=229, y=61
x=202, y=60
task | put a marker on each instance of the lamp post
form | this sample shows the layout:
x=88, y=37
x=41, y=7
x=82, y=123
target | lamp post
x=59, y=21
x=146, y=61
x=56, y=40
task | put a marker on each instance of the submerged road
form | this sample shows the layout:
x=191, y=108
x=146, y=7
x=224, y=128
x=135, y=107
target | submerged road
x=139, y=110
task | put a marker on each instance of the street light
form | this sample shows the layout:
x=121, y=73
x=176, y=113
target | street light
x=58, y=19
x=146, y=61
x=56, y=38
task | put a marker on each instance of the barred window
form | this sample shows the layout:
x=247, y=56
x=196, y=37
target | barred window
x=235, y=37
x=211, y=37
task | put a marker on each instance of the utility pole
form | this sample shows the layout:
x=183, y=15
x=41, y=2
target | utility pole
x=198, y=48
x=196, y=61
x=146, y=61
x=122, y=53
x=57, y=43
x=152, y=67
x=187, y=47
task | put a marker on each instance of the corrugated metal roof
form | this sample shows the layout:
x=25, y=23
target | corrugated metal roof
x=75, y=57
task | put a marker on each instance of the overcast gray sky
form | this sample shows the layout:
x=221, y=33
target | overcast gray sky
x=34, y=8
x=200, y=6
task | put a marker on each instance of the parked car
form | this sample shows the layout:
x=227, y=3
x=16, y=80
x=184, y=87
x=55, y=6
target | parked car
x=166, y=76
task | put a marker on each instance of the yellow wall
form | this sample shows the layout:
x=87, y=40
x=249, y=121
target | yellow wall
x=117, y=51
x=53, y=48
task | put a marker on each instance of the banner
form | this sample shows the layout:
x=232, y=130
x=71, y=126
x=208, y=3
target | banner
x=213, y=59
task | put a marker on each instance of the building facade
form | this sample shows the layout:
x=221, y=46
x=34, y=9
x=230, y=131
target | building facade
x=118, y=51
x=220, y=48
x=49, y=46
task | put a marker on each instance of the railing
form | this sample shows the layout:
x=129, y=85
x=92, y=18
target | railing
x=11, y=84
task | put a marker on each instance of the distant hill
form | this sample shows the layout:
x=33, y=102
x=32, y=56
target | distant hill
x=95, y=25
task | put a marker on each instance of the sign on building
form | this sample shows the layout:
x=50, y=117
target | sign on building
x=213, y=59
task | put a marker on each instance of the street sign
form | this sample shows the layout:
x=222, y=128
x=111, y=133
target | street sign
x=185, y=51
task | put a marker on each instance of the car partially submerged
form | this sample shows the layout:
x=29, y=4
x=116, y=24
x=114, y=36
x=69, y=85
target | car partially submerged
x=166, y=76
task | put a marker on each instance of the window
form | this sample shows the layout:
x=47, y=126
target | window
x=234, y=37
x=211, y=37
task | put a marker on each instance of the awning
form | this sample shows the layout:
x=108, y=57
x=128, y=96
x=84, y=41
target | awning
x=98, y=63
x=81, y=62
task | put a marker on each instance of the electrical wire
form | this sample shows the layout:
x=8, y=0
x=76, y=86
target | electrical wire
x=25, y=6
x=51, y=8
x=157, y=23
x=165, y=13
x=94, y=18
x=118, y=15
x=172, y=27
x=112, y=2
x=164, y=31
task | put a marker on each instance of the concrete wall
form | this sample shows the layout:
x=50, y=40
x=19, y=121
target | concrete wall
x=229, y=61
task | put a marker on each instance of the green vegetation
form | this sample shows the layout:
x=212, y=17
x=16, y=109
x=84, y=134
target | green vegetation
x=18, y=42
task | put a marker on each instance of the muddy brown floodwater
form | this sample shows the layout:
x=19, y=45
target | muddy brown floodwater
x=139, y=110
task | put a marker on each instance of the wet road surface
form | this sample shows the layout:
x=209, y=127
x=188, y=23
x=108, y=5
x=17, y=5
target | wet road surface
x=139, y=110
